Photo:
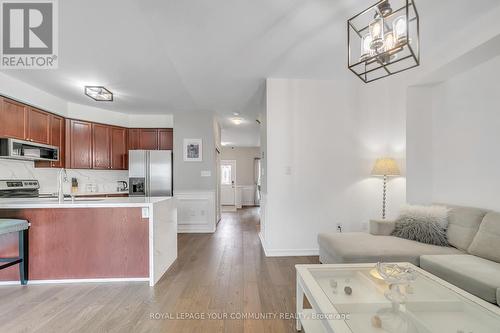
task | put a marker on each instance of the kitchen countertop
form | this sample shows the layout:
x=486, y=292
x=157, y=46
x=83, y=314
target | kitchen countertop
x=88, y=194
x=17, y=203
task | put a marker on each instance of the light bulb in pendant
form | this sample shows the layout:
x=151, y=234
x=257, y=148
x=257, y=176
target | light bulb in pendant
x=377, y=33
x=399, y=28
x=366, y=50
x=389, y=42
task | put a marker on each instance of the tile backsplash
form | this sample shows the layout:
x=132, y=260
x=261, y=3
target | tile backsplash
x=105, y=180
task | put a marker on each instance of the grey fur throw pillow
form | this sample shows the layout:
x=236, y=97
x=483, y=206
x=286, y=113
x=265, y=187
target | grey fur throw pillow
x=425, y=224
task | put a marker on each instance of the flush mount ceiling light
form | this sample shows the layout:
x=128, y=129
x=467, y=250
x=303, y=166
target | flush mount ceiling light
x=383, y=40
x=99, y=93
x=237, y=120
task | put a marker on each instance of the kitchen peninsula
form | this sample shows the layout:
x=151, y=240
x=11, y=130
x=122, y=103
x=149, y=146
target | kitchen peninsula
x=93, y=239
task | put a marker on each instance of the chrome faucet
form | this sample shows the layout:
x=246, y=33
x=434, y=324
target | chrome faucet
x=62, y=178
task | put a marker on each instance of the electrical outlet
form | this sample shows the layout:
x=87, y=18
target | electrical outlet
x=339, y=227
x=145, y=212
x=364, y=226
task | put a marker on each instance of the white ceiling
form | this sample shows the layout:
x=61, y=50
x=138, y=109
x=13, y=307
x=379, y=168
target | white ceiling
x=212, y=55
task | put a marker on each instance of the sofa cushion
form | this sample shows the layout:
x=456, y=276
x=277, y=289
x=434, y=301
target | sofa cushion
x=425, y=224
x=463, y=223
x=476, y=275
x=382, y=227
x=486, y=243
x=360, y=247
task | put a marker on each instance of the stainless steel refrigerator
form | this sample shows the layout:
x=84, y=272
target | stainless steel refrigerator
x=150, y=173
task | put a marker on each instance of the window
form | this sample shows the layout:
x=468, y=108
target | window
x=226, y=174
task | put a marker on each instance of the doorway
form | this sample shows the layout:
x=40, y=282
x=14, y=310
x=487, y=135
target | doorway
x=228, y=184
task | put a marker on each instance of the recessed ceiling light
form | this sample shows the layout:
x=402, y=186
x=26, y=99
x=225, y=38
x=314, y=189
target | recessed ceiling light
x=236, y=113
x=237, y=120
x=99, y=93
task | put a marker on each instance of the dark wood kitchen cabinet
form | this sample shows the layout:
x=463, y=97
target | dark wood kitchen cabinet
x=165, y=139
x=56, y=138
x=134, y=138
x=101, y=146
x=12, y=119
x=119, y=152
x=150, y=138
x=78, y=144
x=37, y=126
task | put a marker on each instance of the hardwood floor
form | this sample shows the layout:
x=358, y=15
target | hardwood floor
x=216, y=275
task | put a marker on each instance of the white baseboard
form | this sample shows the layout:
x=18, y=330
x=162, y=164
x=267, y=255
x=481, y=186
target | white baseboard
x=287, y=252
x=103, y=280
x=195, y=229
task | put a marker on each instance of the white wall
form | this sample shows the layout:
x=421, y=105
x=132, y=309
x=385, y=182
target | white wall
x=322, y=139
x=188, y=175
x=85, y=112
x=456, y=151
x=244, y=157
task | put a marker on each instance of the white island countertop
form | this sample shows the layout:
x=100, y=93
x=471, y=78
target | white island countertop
x=17, y=203
x=160, y=212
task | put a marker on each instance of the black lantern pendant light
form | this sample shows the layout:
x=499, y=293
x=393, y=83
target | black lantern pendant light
x=383, y=40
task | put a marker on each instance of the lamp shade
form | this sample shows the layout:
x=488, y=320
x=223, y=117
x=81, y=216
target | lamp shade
x=385, y=167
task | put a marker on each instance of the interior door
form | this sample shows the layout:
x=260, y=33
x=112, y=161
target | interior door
x=228, y=182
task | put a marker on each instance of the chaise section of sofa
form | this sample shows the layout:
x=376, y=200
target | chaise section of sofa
x=472, y=262
x=361, y=247
x=478, y=276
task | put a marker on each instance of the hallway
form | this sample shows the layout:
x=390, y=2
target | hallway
x=224, y=274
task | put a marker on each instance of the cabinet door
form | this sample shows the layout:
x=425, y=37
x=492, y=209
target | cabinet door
x=119, y=150
x=101, y=145
x=56, y=139
x=149, y=139
x=165, y=139
x=38, y=126
x=134, y=138
x=12, y=119
x=79, y=149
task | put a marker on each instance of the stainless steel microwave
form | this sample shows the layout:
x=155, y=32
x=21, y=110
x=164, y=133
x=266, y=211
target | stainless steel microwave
x=27, y=150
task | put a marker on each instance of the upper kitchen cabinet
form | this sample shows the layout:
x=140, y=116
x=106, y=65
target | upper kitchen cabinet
x=78, y=144
x=150, y=138
x=56, y=125
x=119, y=152
x=38, y=126
x=134, y=138
x=57, y=138
x=12, y=119
x=165, y=139
x=101, y=146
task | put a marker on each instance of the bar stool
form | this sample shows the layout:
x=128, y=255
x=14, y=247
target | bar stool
x=20, y=226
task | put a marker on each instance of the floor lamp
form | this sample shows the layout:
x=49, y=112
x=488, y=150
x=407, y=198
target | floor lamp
x=385, y=167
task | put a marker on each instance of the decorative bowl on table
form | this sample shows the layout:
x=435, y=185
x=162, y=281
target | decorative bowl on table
x=398, y=278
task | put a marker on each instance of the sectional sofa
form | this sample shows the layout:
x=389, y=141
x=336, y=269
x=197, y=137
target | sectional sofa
x=472, y=262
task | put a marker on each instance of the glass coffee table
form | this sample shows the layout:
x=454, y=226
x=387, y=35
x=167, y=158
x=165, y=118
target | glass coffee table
x=353, y=298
